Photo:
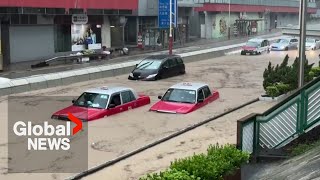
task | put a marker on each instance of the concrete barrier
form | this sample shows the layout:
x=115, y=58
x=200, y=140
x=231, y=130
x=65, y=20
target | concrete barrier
x=5, y=88
x=36, y=82
x=20, y=85
x=92, y=73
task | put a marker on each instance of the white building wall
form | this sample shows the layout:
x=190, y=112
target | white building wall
x=285, y=19
x=106, y=32
x=208, y=28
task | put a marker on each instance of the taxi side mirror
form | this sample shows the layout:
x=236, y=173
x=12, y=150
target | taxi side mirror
x=111, y=106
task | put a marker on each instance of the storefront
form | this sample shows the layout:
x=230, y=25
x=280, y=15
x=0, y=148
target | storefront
x=44, y=29
x=73, y=34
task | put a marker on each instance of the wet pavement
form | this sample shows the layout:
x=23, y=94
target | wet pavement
x=23, y=69
x=237, y=78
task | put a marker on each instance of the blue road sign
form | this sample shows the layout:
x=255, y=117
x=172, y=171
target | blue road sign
x=164, y=13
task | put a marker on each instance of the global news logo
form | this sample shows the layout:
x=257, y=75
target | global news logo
x=47, y=136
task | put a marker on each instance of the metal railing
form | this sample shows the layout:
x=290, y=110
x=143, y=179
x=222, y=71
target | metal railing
x=297, y=114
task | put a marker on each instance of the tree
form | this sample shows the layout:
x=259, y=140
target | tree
x=284, y=75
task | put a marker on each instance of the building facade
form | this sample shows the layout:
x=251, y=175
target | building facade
x=32, y=30
x=245, y=17
x=149, y=27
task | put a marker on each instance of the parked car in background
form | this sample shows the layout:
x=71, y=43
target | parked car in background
x=158, y=67
x=255, y=46
x=312, y=44
x=101, y=102
x=284, y=44
x=184, y=98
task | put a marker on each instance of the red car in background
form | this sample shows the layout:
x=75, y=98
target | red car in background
x=184, y=98
x=256, y=46
x=101, y=102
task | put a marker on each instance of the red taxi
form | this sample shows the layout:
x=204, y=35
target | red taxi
x=101, y=102
x=184, y=98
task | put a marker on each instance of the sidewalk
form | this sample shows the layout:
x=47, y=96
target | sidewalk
x=23, y=69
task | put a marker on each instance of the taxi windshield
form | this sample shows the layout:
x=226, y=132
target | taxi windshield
x=149, y=64
x=252, y=44
x=92, y=100
x=180, y=96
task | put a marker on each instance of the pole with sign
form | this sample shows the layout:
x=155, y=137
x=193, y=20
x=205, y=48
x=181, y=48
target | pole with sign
x=170, y=33
x=167, y=18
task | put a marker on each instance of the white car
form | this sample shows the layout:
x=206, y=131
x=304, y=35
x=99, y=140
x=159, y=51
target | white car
x=312, y=44
x=284, y=44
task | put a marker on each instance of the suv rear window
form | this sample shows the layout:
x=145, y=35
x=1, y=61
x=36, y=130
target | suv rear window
x=179, y=61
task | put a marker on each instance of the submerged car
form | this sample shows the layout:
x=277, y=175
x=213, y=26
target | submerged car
x=158, y=67
x=101, y=102
x=184, y=98
x=255, y=46
x=284, y=44
x=312, y=44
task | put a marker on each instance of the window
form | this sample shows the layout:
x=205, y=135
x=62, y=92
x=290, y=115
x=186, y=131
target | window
x=165, y=64
x=265, y=43
x=179, y=61
x=127, y=97
x=207, y=92
x=92, y=100
x=116, y=100
x=172, y=63
x=180, y=96
x=200, y=95
x=149, y=64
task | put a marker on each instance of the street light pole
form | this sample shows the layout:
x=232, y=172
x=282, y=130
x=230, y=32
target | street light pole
x=170, y=31
x=302, y=42
x=229, y=28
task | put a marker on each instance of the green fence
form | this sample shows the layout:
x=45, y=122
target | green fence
x=297, y=114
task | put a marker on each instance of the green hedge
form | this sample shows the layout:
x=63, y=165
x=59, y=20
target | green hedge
x=315, y=71
x=170, y=174
x=218, y=162
x=286, y=76
x=277, y=89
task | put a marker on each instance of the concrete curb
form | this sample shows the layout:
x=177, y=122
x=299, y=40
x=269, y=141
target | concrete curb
x=50, y=80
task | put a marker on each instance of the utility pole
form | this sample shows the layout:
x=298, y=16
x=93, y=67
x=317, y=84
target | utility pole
x=302, y=42
x=229, y=27
x=170, y=31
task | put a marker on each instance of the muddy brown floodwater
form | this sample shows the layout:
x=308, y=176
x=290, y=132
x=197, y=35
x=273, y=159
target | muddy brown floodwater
x=237, y=78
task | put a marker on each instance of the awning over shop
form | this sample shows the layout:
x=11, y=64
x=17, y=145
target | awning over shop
x=213, y=7
x=72, y=4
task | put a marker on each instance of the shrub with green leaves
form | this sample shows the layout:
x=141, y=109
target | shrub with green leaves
x=170, y=174
x=220, y=161
x=283, y=88
x=284, y=74
x=315, y=71
x=273, y=91
x=217, y=163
